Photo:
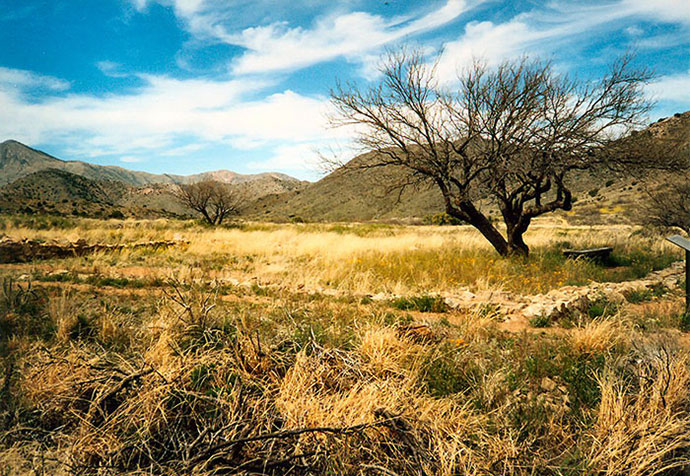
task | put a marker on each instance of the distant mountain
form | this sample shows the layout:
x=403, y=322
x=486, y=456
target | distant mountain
x=18, y=160
x=58, y=191
x=33, y=181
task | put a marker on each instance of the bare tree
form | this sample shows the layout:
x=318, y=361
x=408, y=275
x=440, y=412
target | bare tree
x=214, y=200
x=512, y=135
x=668, y=205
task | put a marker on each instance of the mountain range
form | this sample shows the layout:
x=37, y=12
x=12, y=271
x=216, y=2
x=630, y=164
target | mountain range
x=33, y=181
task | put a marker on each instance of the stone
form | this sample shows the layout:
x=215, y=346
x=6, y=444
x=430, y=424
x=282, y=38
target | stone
x=547, y=384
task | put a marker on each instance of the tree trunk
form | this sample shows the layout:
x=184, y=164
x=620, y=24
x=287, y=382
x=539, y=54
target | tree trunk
x=477, y=219
x=517, y=246
x=516, y=228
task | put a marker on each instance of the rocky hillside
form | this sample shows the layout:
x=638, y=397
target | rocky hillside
x=18, y=160
x=58, y=191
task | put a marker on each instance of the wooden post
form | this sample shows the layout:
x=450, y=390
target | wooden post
x=687, y=281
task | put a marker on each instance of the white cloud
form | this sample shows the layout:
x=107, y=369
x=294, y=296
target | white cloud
x=541, y=31
x=112, y=69
x=130, y=159
x=671, y=11
x=279, y=46
x=164, y=111
x=18, y=79
x=672, y=88
x=634, y=30
x=182, y=150
x=301, y=157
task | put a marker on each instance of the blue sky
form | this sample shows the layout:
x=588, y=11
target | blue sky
x=184, y=86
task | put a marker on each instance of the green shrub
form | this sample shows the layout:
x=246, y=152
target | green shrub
x=22, y=312
x=684, y=322
x=443, y=219
x=447, y=374
x=636, y=296
x=420, y=303
x=541, y=320
x=260, y=290
x=601, y=307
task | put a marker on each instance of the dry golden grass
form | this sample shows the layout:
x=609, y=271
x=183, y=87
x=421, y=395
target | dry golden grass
x=358, y=259
x=602, y=335
x=645, y=433
x=197, y=376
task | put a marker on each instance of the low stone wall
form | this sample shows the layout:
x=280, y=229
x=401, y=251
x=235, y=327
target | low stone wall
x=558, y=302
x=24, y=251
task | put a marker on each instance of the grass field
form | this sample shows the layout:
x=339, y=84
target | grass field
x=258, y=349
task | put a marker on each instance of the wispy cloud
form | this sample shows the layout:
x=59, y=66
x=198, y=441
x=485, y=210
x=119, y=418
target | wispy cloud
x=21, y=80
x=278, y=47
x=112, y=69
x=674, y=88
x=281, y=46
x=671, y=11
x=154, y=117
x=130, y=159
x=542, y=30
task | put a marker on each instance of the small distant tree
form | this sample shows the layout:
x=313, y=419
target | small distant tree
x=214, y=200
x=512, y=135
x=668, y=204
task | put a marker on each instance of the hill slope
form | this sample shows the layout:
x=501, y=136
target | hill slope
x=58, y=191
x=350, y=195
x=361, y=194
x=18, y=160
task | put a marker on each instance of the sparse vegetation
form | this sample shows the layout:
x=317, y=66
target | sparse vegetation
x=420, y=303
x=262, y=349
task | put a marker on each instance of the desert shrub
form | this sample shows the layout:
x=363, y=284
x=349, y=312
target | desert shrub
x=601, y=307
x=443, y=219
x=320, y=327
x=559, y=360
x=260, y=290
x=22, y=312
x=642, y=418
x=541, y=320
x=83, y=327
x=445, y=372
x=684, y=321
x=420, y=303
x=636, y=296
